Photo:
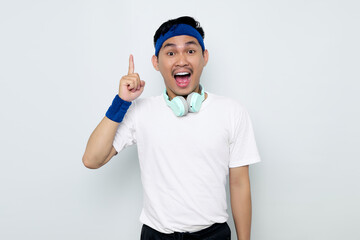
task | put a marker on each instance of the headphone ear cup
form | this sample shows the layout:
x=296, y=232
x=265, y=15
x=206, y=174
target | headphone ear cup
x=179, y=106
x=188, y=100
x=194, y=101
x=185, y=104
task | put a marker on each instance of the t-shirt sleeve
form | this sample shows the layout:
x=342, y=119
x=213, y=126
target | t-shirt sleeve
x=125, y=134
x=243, y=149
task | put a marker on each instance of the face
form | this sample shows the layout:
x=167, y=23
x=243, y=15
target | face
x=180, y=62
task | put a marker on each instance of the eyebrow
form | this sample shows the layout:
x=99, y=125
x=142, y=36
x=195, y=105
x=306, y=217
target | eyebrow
x=186, y=44
x=169, y=45
x=191, y=43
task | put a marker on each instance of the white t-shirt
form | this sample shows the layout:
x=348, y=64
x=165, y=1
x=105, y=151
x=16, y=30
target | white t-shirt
x=184, y=161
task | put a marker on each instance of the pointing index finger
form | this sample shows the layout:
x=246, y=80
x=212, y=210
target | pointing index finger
x=131, y=64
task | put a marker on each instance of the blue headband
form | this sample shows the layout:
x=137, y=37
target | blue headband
x=177, y=30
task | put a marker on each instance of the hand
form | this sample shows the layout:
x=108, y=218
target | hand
x=131, y=86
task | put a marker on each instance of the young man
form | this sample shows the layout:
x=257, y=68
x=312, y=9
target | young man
x=188, y=142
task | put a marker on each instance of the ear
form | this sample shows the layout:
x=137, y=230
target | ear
x=206, y=57
x=155, y=62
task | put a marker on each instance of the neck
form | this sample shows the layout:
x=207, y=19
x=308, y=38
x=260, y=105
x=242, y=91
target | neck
x=171, y=96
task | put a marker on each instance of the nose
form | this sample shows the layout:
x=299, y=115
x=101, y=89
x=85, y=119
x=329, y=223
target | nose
x=182, y=60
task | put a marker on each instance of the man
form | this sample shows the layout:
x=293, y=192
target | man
x=188, y=141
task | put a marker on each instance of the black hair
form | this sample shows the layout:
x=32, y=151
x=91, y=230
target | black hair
x=166, y=26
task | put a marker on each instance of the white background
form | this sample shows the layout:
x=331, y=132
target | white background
x=293, y=64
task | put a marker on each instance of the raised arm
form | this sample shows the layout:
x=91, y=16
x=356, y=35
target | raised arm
x=99, y=149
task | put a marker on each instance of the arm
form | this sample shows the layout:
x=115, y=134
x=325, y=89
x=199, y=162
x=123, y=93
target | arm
x=99, y=149
x=240, y=196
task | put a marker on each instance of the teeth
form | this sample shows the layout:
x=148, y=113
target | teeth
x=182, y=73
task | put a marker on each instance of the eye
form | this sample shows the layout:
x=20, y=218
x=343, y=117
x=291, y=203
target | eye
x=170, y=54
x=191, y=51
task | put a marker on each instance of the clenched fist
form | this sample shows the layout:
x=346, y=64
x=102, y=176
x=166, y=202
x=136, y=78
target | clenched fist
x=131, y=86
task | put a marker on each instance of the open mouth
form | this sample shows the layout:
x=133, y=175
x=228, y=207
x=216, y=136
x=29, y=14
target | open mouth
x=182, y=78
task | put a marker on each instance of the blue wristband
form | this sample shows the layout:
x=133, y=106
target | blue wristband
x=117, y=110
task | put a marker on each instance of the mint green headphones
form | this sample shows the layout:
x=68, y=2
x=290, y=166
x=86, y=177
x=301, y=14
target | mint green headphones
x=181, y=106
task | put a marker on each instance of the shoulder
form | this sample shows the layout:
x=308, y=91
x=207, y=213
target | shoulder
x=145, y=104
x=145, y=101
x=227, y=103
